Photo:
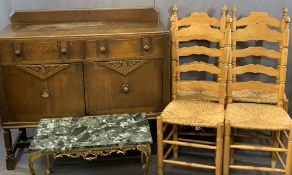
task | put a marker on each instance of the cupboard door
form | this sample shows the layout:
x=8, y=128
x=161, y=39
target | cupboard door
x=123, y=86
x=48, y=90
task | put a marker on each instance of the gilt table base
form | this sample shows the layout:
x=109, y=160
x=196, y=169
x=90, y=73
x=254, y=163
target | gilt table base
x=91, y=136
x=91, y=154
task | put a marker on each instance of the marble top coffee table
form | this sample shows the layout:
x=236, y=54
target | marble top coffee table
x=91, y=136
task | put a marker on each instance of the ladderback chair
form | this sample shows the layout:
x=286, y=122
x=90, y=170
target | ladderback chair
x=204, y=108
x=259, y=114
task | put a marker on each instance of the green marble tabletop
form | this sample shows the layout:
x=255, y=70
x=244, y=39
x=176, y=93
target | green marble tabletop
x=70, y=133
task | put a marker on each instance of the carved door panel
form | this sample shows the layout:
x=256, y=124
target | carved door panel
x=123, y=86
x=37, y=91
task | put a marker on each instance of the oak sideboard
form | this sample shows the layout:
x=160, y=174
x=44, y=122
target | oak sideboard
x=78, y=63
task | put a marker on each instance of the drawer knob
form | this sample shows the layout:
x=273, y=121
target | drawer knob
x=64, y=51
x=146, y=47
x=17, y=52
x=125, y=89
x=45, y=94
x=102, y=49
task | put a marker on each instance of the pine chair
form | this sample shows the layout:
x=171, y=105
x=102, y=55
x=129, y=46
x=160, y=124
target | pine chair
x=204, y=108
x=262, y=115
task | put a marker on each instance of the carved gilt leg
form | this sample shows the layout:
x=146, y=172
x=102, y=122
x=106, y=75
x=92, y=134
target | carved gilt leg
x=145, y=157
x=32, y=156
x=159, y=146
x=10, y=161
x=226, y=158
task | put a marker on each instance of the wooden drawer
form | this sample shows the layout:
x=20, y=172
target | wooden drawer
x=37, y=91
x=40, y=50
x=151, y=47
x=123, y=86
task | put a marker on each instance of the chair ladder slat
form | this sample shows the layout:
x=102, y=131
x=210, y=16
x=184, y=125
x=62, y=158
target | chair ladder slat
x=258, y=17
x=199, y=50
x=199, y=66
x=256, y=31
x=256, y=51
x=255, y=68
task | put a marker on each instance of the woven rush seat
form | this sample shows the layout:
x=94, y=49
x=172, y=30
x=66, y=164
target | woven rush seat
x=257, y=116
x=193, y=113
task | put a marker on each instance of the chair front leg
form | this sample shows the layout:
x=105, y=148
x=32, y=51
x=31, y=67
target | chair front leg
x=226, y=158
x=175, y=138
x=289, y=155
x=276, y=144
x=219, y=148
x=159, y=146
x=231, y=160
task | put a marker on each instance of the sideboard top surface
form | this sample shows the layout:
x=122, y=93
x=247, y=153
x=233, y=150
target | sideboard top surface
x=81, y=23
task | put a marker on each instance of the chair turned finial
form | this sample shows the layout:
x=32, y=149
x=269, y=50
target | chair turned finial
x=285, y=11
x=174, y=10
x=228, y=19
x=174, y=14
x=233, y=11
x=224, y=10
x=228, y=29
x=285, y=15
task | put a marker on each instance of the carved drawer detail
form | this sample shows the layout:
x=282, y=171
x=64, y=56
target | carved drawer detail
x=43, y=71
x=124, y=67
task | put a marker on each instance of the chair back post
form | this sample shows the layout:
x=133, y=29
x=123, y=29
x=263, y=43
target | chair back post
x=231, y=59
x=228, y=45
x=174, y=47
x=226, y=57
x=222, y=43
x=282, y=62
x=223, y=19
x=233, y=41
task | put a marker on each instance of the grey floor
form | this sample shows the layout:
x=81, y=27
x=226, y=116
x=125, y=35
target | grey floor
x=129, y=165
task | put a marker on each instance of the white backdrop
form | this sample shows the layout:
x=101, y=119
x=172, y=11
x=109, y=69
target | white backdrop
x=5, y=10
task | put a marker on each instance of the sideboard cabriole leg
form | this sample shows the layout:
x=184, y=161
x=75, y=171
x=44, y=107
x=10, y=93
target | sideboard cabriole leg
x=10, y=161
x=145, y=157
